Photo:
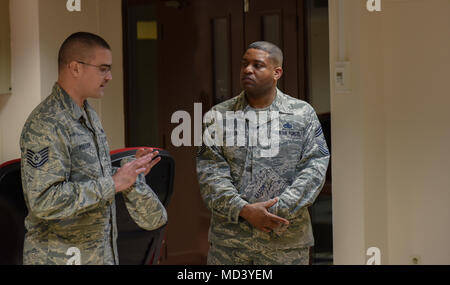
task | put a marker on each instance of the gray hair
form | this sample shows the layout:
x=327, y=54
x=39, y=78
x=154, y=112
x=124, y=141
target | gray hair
x=275, y=53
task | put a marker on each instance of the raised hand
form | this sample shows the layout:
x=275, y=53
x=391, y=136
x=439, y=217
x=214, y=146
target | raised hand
x=144, y=151
x=127, y=174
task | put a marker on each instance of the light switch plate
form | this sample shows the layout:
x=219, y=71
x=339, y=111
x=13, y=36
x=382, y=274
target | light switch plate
x=342, y=77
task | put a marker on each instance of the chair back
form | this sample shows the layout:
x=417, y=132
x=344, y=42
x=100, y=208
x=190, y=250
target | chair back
x=135, y=245
x=12, y=213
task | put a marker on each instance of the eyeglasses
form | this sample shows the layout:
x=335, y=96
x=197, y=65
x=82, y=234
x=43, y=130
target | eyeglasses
x=104, y=68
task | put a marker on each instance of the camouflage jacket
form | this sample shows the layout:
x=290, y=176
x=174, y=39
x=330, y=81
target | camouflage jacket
x=69, y=190
x=230, y=176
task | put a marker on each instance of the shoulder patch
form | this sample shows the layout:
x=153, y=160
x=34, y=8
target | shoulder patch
x=323, y=149
x=37, y=159
x=319, y=132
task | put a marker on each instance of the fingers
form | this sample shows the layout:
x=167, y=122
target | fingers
x=274, y=218
x=275, y=225
x=149, y=166
x=271, y=202
x=269, y=222
x=142, y=152
x=140, y=170
x=271, y=225
x=154, y=162
x=142, y=161
x=147, y=162
x=138, y=163
x=126, y=175
x=277, y=220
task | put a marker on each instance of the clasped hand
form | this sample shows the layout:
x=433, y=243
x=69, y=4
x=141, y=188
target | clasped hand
x=257, y=215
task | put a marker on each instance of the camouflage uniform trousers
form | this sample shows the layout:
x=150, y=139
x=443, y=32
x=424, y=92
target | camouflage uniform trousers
x=222, y=255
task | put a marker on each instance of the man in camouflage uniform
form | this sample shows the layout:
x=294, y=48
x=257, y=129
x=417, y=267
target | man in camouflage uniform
x=68, y=181
x=259, y=202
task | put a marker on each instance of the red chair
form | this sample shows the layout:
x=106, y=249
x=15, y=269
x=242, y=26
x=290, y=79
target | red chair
x=135, y=245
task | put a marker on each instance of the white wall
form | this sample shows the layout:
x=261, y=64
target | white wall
x=112, y=106
x=417, y=100
x=347, y=158
x=102, y=17
x=38, y=29
x=390, y=133
x=5, y=48
x=25, y=75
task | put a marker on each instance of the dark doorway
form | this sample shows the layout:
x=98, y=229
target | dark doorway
x=195, y=58
x=140, y=72
x=318, y=95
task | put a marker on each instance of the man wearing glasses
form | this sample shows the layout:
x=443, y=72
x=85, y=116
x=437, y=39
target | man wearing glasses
x=68, y=181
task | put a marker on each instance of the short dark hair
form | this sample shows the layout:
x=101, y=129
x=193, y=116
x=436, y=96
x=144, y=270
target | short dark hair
x=274, y=52
x=78, y=46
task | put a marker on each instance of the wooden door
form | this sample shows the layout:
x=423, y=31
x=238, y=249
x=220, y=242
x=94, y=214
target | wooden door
x=198, y=52
x=280, y=22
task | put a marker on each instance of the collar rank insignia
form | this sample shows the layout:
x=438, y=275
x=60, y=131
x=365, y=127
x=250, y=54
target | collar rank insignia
x=287, y=126
x=37, y=159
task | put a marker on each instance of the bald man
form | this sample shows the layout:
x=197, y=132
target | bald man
x=68, y=182
x=259, y=194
